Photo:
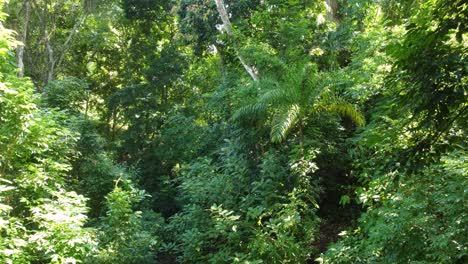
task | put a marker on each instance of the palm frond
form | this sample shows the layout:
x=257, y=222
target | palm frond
x=313, y=95
x=313, y=87
x=347, y=109
x=310, y=73
x=335, y=80
x=282, y=122
x=250, y=112
x=265, y=84
x=336, y=104
x=277, y=97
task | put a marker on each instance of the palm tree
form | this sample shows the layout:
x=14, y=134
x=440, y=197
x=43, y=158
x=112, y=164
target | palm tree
x=301, y=92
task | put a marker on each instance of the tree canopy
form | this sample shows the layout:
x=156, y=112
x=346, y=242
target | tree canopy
x=233, y=131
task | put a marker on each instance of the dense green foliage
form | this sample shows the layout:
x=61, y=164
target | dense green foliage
x=227, y=131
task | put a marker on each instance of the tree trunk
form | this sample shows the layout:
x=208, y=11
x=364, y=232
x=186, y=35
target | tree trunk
x=54, y=63
x=70, y=36
x=301, y=137
x=20, y=50
x=87, y=104
x=332, y=9
x=222, y=63
x=50, y=50
x=49, y=54
x=228, y=29
x=53, y=60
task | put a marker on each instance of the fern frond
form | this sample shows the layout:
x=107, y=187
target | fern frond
x=282, y=122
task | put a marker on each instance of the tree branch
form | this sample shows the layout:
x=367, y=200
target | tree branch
x=70, y=36
x=228, y=29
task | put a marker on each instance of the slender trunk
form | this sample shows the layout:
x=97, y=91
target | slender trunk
x=223, y=65
x=21, y=47
x=301, y=138
x=70, y=36
x=54, y=63
x=51, y=59
x=44, y=19
x=87, y=105
x=228, y=29
x=50, y=50
x=114, y=124
x=41, y=16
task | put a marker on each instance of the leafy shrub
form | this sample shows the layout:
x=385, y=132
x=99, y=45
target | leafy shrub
x=422, y=220
x=127, y=235
x=68, y=93
x=13, y=233
x=233, y=214
x=40, y=222
x=60, y=236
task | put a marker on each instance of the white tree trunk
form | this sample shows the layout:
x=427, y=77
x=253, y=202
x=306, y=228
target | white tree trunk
x=227, y=26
